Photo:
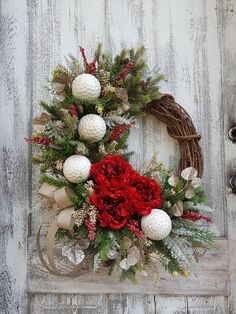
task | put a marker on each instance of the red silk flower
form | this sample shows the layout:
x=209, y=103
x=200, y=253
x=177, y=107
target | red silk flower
x=121, y=194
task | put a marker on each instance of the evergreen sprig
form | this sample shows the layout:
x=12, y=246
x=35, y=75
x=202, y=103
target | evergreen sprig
x=44, y=178
x=173, y=266
x=53, y=109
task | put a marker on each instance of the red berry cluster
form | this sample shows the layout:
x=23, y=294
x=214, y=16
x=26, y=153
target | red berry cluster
x=120, y=129
x=134, y=228
x=122, y=75
x=38, y=140
x=89, y=67
x=73, y=111
x=91, y=229
x=194, y=216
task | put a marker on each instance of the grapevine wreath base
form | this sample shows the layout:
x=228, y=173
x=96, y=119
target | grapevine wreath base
x=108, y=214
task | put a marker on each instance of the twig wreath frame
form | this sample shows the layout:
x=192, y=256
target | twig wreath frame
x=180, y=127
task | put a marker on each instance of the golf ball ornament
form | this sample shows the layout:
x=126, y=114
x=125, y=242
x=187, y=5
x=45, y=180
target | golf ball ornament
x=76, y=168
x=157, y=225
x=92, y=128
x=86, y=86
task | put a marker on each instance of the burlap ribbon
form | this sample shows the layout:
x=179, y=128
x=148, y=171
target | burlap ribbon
x=64, y=219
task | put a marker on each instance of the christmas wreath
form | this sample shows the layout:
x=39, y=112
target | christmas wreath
x=108, y=214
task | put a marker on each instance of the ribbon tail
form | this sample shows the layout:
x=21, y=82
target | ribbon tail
x=39, y=252
x=49, y=251
x=50, y=245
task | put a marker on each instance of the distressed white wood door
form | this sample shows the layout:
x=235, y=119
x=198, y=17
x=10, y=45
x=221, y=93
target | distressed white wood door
x=193, y=43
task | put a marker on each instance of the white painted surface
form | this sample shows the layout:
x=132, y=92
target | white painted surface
x=193, y=43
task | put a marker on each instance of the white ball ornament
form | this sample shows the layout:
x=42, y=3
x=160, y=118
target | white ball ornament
x=92, y=128
x=157, y=225
x=86, y=86
x=76, y=168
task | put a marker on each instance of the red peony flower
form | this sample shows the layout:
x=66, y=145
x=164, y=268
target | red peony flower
x=121, y=194
x=147, y=195
x=114, y=208
x=112, y=172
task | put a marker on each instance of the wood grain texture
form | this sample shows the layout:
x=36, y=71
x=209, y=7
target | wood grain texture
x=57, y=29
x=210, y=281
x=109, y=303
x=181, y=40
x=193, y=43
x=14, y=156
x=207, y=305
x=168, y=304
x=126, y=304
x=69, y=304
x=227, y=26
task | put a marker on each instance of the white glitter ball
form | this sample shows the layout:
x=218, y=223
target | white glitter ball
x=157, y=225
x=76, y=168
x=92, y=128
x=86, y=86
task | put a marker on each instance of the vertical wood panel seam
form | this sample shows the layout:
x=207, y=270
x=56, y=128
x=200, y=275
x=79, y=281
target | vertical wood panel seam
x=222, y=126
x=155, y=304
x=29, y=98
x=30, y=108
x=187, y=305
x=219, y=12
x=226, y=106
x=105, y=23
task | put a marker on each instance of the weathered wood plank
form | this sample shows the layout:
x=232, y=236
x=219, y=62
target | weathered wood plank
x=68, y=304
x=188, y=54
x=107, y=303
x=169, y=304
x=227, y=25
x=210, y=281
x=181, y=21
x=131, y=303
x=207, y=305
x=58, y=28
x=179, y=25
x=14, y=155
x=126, y=304
x=67, y=25
x=181, y=40
x=182, y=36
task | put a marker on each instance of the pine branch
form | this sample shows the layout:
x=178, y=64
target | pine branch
x=73, y=65
x=102, y=241
x=52, y=180
x=97, y=53
x=180, y=252
x=70, y=125
x=193, y=233
x=130, y=274
x=173, y=265
x=112, y=120
x=53, y=109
